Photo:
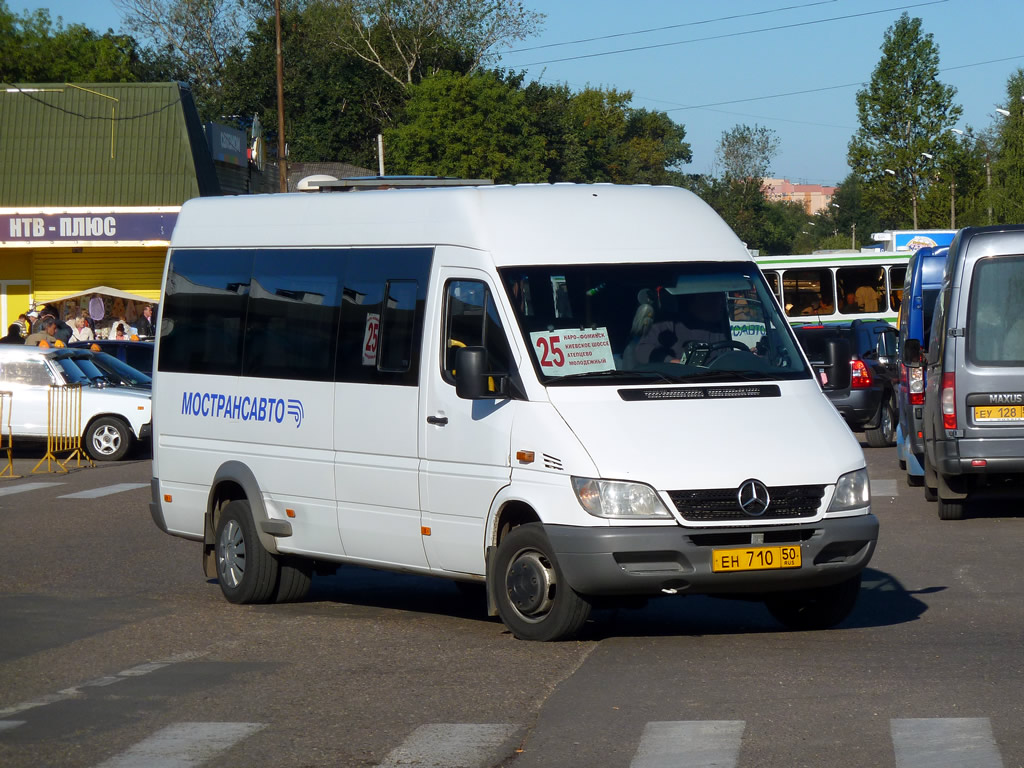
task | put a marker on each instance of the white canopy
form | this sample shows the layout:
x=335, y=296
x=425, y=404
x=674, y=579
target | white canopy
x=106, y=291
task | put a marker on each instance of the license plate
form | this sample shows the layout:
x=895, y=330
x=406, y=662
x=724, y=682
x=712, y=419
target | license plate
x=754, y=559
x=999, y=413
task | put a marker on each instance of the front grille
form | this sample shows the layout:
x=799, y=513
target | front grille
x=722, y=504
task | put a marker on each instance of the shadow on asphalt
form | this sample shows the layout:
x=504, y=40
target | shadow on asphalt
x=359, y=592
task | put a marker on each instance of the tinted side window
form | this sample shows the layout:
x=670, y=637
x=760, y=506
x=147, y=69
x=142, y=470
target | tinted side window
x=292, y=321
x=204, y=312
x=808, y=292
x=382, y=304
x=862, y=289
x=897, y=279
x=995, y=312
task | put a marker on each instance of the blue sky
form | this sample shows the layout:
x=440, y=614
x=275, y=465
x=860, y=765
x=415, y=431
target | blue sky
x=819, y=47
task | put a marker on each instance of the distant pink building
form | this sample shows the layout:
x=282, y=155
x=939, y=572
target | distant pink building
x=813, y=197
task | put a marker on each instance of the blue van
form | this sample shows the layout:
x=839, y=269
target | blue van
x=921, y=287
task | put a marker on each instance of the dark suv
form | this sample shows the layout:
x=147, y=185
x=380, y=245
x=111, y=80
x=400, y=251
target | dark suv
x=869, y=403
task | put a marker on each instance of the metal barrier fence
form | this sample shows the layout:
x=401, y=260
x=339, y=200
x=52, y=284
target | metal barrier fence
x=5, y=434
x=63, y=428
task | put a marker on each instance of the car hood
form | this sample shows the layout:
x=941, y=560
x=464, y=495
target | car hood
x=675, y=444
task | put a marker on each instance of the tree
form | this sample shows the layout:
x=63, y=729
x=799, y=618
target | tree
x=401, y=37
x=33, y=50
x=195, y=34
x=903, y=114
x=470, y=126
x=746, y=153
x=1008, y=167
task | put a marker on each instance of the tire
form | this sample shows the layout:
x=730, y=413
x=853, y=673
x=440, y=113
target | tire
x=951, y=509
x=884, y=434
x=534, y=601
x=108, y=438
x=902, y=463
x=295, y=580
x=915, y=481
x=247, y=573
x=931, y=482
x=819, y=608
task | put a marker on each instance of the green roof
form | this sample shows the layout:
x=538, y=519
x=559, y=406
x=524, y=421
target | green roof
x=101, y=144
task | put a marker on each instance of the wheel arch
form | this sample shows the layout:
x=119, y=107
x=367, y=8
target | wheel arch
x=233, y=481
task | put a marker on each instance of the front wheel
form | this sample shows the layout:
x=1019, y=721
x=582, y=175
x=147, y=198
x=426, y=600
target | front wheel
x=534, y=600
x=108, y=439
x=818, y=608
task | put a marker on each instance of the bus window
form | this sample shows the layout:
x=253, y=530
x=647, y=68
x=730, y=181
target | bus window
x=808, y=292
x=862, y=288
x=773, y=281
x=897, y=276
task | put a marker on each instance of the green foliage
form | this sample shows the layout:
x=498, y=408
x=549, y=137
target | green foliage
x=1008, y=167
x=34, y=50
x=770, y=226
x=905, y=111
x=469, y=126
x=747, y=153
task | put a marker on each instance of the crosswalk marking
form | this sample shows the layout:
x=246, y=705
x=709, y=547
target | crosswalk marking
x=450, y=745
x=12, y=489
x=949, y=742
x=689, y=744
x=884, y=487
x=183, y=745
x=6, y=725
x=106, y=490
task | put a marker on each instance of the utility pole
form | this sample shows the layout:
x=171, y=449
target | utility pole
x=988, y=186
x=952, y=204
x=282, y=162
x=853, y=237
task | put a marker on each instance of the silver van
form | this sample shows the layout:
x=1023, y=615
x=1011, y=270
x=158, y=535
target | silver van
x=974, y=399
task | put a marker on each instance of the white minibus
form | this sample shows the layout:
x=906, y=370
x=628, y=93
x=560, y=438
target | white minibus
x=578, y=395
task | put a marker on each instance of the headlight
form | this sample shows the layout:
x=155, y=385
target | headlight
x=853, y=491
x=612, y=499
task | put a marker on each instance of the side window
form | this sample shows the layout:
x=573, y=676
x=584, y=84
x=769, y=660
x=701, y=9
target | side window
x=382, y=305
x=938, y=341
x=808, y=292
x=861, y=289
x=204, y=312
x=897, y=278
x=292, y=321
x=30, y=372
x=471, y=320
x=995, y=314
x=773, y=281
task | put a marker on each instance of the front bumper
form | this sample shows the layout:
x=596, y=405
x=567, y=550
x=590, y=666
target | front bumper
x=649, y=560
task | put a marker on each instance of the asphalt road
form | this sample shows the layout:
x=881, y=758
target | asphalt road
x=115, y=650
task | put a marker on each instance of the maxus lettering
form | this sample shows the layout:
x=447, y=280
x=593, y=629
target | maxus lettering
x=1006, y=399
x=241, y=407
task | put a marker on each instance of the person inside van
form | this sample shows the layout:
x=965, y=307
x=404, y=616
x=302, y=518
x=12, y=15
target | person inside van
x=678, y=320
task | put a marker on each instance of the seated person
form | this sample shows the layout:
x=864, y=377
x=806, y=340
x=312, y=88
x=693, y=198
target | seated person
x=850, y=306
x=701, y=318
x=817, y=306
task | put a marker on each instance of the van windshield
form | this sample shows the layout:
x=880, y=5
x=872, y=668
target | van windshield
x=678, y=322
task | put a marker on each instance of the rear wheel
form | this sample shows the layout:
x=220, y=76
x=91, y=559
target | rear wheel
x=818, y=608
x=952, y=496
x=533, y=598
x=915, y=481
x=246, y=571
x=885, y=433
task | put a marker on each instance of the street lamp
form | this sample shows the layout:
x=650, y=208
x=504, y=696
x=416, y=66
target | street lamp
x=890, y=171
x=927, y=155
x=1003, y=112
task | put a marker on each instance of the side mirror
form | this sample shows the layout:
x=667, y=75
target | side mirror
x=472, y=382
x=837, y=363
x=912, y=353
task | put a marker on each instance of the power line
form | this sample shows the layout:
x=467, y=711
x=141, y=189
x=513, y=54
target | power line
x=12, y=88
x=733, y=34
x=669, y=26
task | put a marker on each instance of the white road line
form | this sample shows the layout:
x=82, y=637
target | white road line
x=6, y=725
x=106, y=490
x=183, y=745
x=99, y=682
x=885, y=488
x=450, y=745
x=689, y=743
x=945, y=742
x=10, y=490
